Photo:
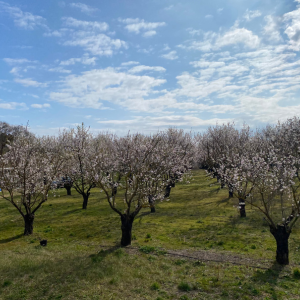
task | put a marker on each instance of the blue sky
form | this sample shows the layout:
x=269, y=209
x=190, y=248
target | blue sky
x=142, y=65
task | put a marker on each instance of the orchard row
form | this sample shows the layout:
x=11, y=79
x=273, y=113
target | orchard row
x=260, y=167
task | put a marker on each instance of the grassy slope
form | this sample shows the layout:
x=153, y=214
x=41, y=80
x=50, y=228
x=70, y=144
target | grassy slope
x=198, y=216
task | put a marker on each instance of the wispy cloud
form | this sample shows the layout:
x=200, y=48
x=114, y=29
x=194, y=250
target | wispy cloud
x=272, y=29
x=83, y=7
x=12, y=105
x=142, y=68
x=59, y=70
x=15, y=61
x=45, y=105
x=214, y=41
x=137, y=25
x=172, y=55
x=121, y=88
x=129, y=63
x=87, y=25
x=85, y=60
x=87, y=34
x=29, y=82
x=292, y=28
x=22, y=19
x=251, y=14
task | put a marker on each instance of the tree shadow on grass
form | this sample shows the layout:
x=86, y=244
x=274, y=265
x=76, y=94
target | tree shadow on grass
x=146, y=213
x=72, y=211
x=98, y=257
x=10, y=239
x=269, y=276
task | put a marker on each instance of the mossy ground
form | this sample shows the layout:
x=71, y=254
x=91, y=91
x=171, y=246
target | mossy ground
x=198, y=216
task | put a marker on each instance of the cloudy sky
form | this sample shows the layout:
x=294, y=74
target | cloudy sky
x=143, y=65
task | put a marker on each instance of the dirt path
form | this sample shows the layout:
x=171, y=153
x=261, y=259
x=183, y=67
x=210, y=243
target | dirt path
x=208, y=255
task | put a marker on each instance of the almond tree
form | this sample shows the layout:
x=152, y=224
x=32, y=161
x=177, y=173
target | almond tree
x=141, y=162
x=219, y=150
x=177, y=139
x=79, y=146
x=27, y=171
x=231, y=164
x=270, y=179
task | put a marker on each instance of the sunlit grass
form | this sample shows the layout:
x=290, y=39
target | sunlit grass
x=199, y=216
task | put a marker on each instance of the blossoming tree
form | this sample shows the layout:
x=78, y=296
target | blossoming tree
x=80, y=151
x=141, y=162
x=27, y=171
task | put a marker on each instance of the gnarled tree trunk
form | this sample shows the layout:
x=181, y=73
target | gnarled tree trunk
x=28, y=220
x=230, y=189
x=242, y=206
x=168, y=191
x=281, y=235
x=68, y=188
x=85, y=200
x=151, y=203
x=126, y=229
x=114, y=191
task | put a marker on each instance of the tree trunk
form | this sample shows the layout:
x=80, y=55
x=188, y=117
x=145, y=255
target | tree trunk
x=281, y=235
x=230, y=194
x=126, y=229
x=167, y=191
x=151, y=203
x=242, y=206
x=28, y=219
x=68, y=188
x=85, y=200
x=114, y=191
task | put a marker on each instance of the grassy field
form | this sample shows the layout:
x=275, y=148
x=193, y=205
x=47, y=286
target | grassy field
x=83, y=259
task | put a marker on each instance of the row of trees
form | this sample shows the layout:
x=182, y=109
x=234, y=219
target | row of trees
x=259, y=167
x=132, y=171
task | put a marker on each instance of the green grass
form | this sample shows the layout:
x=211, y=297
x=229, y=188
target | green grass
x=83, y=260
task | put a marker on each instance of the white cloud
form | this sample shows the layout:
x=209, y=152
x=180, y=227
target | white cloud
x=72, y=22
x=97, y=44
x=271, y=29
x=45, y=105
x=169, y=7
x=220, y=10
x=59, y=70
x=137, y=25
x=251, y=14
x=29, y=82
x=12, y=105
x=193, y=32
x=83, y=7
x=15, y=61
x=57, y=33
x=15, y=71
x=129, y=63
x=149, y=33
x=171, y=55
x=292, y=28
x=238, y=36
x=88, y=37
x=22, y=19
x=85, y=60
x=141, y=122
x=93, y=87
x=208, y=16
x=212, y=41
x=142, y=68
